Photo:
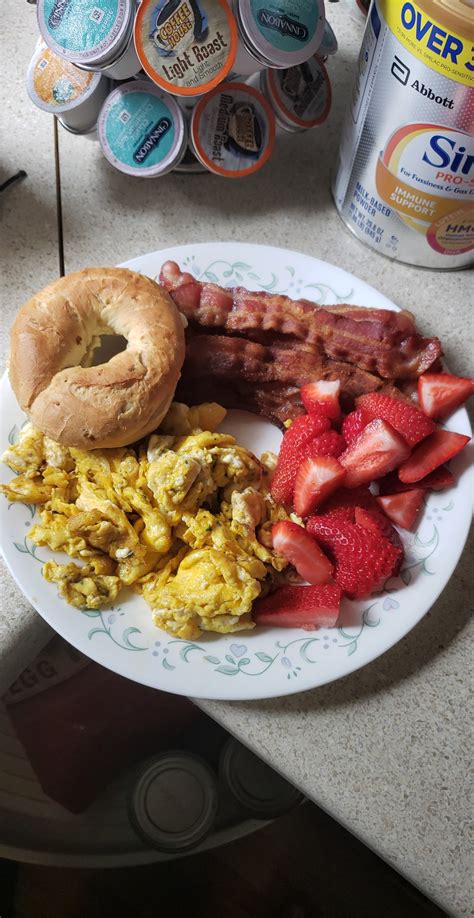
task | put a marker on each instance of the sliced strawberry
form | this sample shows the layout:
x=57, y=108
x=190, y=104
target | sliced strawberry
x=294, y=543
x=322, y=396
x=439, y=394
x=330, y=443
x=441, y=446
x=377, y=522
x=316, y=479
x=352, y=497
x=326, y=527
x=354, y=424
x=436, y=481
x=403, y=508
x=411, y=423
x=294, y=448
x=364, y=559
x=299, y=607
x=376, y=451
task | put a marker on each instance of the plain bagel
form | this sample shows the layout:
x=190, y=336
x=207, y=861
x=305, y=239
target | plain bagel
x=52, y=344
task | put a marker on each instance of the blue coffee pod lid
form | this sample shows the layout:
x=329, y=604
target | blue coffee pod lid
x=282, y=32
x=84, y=32
x=142, y=130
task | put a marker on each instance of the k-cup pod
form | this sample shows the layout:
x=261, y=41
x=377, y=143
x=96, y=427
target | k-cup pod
x=89, y=33
x=328, y=42
x=174, y=803
x=278, y=33
x=90, y=134
x=142, y=130
x=125, y=66
x=256, y=788
x=57, y=86
x=187, y=47
x=300, y=96
x=233, y=130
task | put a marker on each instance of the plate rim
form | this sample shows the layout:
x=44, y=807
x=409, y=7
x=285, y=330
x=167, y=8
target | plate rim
x=239, y=694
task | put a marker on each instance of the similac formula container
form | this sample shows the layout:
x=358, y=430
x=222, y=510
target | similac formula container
x=142, y=130
x=187, y=47
x=405, y=179
x=59, y=87
x=277, y=33
x=300, y=96
x=233, y=130
x=90, y=33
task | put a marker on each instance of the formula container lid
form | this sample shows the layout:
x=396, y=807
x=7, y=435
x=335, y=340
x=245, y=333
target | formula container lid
x=55, y=85
x=233, y=130
x=174, y=802
x=300, y=96
x=257, y=788
x=142, y=130
x=283, y=33
x=85, y=31
x=455, y=15
x=186, y=46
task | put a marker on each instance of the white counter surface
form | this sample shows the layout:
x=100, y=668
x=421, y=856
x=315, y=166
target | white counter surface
x=385, y=750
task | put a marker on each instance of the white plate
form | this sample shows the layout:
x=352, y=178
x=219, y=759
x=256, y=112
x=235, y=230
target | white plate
x=266, y=662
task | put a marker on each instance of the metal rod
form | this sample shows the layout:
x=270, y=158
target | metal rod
x=59, y=207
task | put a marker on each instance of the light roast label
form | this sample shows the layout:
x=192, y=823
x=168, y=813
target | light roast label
x=82, y=26
x=139, y=131
x=232, y=130
x=57, y=82
x=186, y=46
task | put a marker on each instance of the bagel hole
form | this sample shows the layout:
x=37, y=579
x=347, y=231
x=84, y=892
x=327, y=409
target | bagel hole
x=110, y=346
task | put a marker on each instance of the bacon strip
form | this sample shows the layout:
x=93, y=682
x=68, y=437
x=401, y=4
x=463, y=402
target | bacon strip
x=379, y=341
x=265, y=379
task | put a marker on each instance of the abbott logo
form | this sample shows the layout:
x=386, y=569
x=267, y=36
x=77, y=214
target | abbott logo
x=400, y=71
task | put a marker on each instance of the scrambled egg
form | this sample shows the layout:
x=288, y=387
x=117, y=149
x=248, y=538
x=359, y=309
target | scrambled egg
x=183, y=518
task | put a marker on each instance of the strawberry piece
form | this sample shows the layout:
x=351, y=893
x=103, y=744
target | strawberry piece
x=411, y=423
x=322, y=396
x=363, y=559
x=377, y=522
x=316, y=479
x=352, y=497
x=299, y=607
x=440, y=446
x=436, y=481
x=440, y=393
x=293, y=450
x=403, y=508
x=376, y=451
x=354, y=424
x=330, y=443
x=327, y=526
x=294, y=543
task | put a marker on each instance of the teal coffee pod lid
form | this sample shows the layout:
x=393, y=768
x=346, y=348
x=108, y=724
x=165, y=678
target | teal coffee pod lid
x=87, y=32
x=282, y=33
x=174, y=803
x=142, y=130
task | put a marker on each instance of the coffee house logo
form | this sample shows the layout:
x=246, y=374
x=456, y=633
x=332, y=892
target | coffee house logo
x=152, y=140
x=283, y=24
x=57, y=13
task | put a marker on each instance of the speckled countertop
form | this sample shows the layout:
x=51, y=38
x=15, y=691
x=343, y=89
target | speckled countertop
x=385, y=750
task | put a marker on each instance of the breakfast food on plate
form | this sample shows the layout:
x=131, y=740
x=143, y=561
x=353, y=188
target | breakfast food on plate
x=261, y=348
x=147, y=494
x=52, y=345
